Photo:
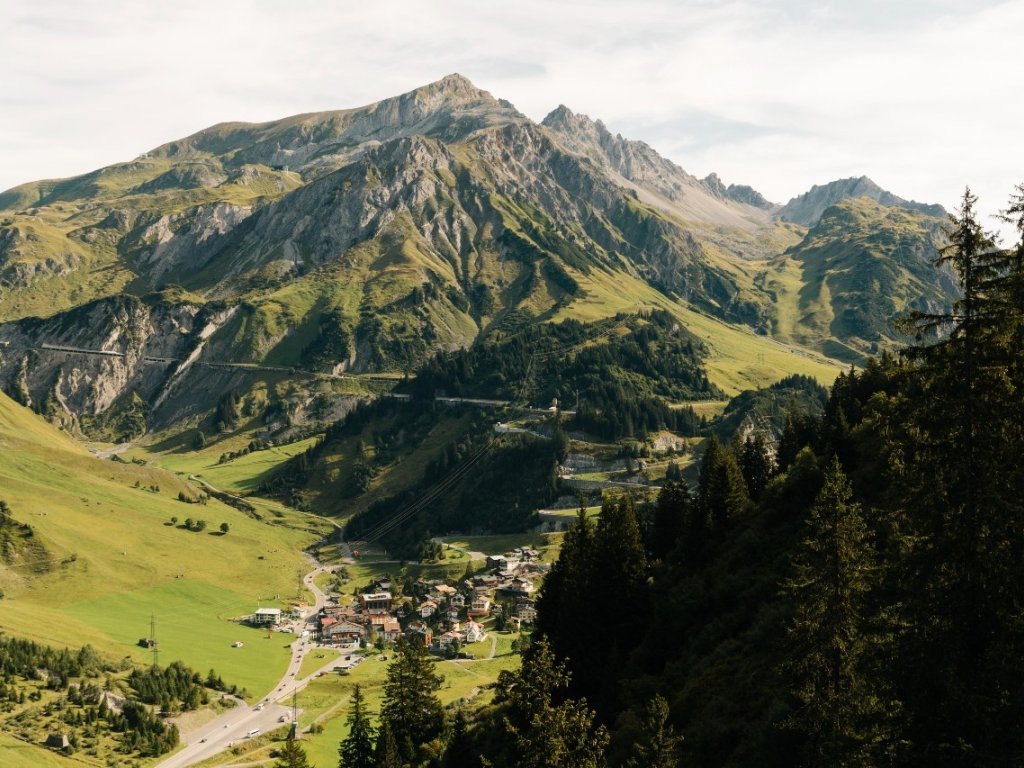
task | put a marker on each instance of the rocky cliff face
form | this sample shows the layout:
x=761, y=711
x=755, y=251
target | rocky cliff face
x=660, y=181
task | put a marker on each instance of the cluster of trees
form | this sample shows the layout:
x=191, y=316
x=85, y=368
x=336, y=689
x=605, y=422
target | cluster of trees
x=18, y=542
x=412, y=719
x=31, y=661
x=141, y=730
x=531, y=724
x=202, y=498
x=174, y=687
x=332, y=344
x=855, y=601
x=84, y=707
x=621, y=379
x=257, y=444
x=228, y=411
x=796, y=397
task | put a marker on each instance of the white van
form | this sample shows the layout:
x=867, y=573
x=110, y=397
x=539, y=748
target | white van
x=253, y=733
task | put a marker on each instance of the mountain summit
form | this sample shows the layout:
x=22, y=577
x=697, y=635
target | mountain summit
x=807, y=209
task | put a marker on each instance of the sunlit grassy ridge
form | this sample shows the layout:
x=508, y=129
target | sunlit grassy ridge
x=115, y=558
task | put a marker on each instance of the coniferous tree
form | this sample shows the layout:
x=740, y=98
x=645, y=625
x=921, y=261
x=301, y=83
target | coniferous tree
x=960, y=509
x=411, y=707
x=658, y=744
x=561, y=605
x=292, y=756
x=727, y=497
x=386, y=754
x=708, y=462
x=830, y=646
x=545, y=734
x=756, y=464
x=459, y=752
x=356, y=751
x=671, y=512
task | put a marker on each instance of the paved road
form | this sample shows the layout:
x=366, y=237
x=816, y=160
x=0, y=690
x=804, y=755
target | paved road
x=233, y=726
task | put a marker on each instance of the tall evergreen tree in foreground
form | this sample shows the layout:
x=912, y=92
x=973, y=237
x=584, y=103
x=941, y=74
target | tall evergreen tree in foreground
x=832, y=574
x=385, y=753
x=411, y=707
x=356, y=751
x=459, y=753
x=546, y=734
x=658, y=745
x=959, y=507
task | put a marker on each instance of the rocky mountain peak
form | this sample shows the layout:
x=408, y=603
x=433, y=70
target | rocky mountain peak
x=738, y=193
x=808, y=208
x=451, y=90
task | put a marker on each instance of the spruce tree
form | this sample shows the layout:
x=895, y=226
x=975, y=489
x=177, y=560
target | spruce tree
x=292, y=755
x=560, y=607
x=658, y=745
x=386, y=754
x=829, y=642
x=960, y=507
x=727, y=497
x=756, y=464
x=545, y=734
x=459, y=751
x=411, y=707
x=671, y=512
x=356, y=750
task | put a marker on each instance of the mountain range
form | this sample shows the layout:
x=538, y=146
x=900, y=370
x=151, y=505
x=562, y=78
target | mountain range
x=368, y=239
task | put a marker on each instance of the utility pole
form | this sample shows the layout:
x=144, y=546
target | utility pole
x=152, y=639
x=293, y=733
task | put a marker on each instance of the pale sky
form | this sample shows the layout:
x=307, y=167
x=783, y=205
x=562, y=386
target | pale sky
x=923, y=96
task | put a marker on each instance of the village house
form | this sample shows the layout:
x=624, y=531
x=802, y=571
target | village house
x=375, y=602
x=473, y=632
x=385, y=626
x=342, y=633
x=457, y=601
x=527, y=613
x=428, y=608
x=481, y=605
x=264, y=616
x=498, y=563
x=417, y=631
x=391, y=630
x=519, y=586
x=447, y=639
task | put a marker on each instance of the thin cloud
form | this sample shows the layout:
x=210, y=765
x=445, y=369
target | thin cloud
x=920, y=95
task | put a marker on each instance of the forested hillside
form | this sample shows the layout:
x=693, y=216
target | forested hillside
x=862, y=607
x=850, y=599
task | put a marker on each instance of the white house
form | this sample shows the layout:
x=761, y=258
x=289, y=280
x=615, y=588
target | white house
x=473, y=632
x=480, y=606
x=270, y=616
x=447, y=639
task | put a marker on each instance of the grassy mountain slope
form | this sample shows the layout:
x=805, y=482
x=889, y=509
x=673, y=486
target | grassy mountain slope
x=858, y=269
x=113, y=559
